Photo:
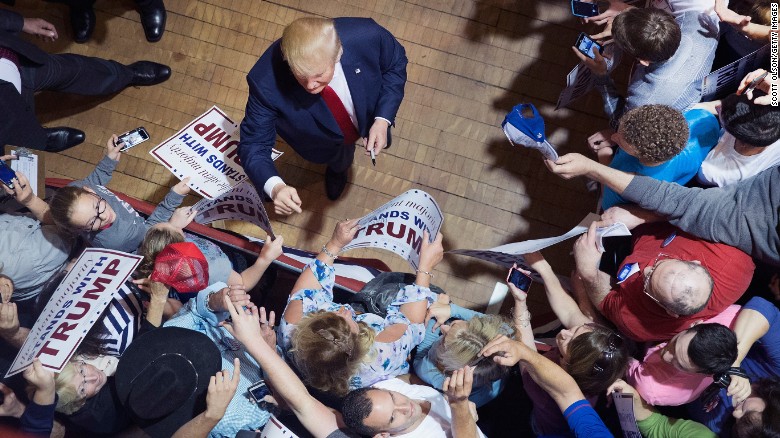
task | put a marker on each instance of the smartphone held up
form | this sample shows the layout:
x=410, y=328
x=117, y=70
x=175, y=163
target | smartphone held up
x=584, y=9
x=133, y=138
x=520, y=279
x=587, y=46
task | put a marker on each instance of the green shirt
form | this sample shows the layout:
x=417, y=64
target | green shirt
x=661, y=426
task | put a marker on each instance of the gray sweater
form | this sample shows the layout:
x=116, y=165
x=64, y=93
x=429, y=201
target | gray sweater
x=744, y=215
x=129, y=229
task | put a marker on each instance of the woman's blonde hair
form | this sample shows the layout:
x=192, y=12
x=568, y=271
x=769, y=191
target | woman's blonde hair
x=69, y=400
x=462, y=348
x=156, y=239
x=308, y=43
x=328, y=353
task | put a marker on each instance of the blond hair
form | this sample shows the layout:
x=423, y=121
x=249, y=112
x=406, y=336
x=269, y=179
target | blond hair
x=462, y=348
x=308, y=43
x=69, y=400
x=328, y=353
x=155, y=240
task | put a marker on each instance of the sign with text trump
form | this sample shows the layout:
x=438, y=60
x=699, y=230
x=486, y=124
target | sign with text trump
x=398, y=225
x=206, y=150
x=75, y=306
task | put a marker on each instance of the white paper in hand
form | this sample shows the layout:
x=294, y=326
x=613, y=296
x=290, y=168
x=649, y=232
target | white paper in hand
x=616, y=229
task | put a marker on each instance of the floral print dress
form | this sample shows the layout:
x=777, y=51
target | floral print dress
x=387, y=359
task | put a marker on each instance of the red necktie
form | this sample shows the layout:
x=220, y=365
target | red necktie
x=340, y=114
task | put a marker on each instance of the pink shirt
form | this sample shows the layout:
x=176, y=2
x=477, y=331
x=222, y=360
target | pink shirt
x=661, y=384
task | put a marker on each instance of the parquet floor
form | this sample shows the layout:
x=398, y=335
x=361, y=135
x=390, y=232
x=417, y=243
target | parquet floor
x=470, y=61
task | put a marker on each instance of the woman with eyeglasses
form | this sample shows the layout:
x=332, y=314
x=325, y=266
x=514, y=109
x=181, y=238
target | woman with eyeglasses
x=88, y=208
x=593, y=354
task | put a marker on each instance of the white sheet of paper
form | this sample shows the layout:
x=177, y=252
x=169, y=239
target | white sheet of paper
x=28, y=165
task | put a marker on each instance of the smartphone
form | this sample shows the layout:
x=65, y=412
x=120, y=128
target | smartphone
x=584, y=9
x=519, y=279
x=258, y=391
x=133, y=138
x=587, y=46
x=7, y=175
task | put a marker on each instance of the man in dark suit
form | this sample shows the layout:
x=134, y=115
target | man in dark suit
x=322, y=86
x=26, y=69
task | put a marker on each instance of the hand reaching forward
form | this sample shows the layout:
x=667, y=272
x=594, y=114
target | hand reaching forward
x=222, y=387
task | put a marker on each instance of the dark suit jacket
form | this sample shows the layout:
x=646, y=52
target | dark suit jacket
x=11, y=24
x=374, y=64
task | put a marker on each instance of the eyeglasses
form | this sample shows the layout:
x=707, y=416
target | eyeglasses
x=648, y=278
x=82, y=389
x=614, y=342
x=100, y=209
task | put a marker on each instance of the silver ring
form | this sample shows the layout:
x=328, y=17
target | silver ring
x=228, y=294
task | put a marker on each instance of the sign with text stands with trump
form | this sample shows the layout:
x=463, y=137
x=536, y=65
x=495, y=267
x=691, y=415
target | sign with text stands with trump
x=398, y=226
x=206, y=150
x=75, y=306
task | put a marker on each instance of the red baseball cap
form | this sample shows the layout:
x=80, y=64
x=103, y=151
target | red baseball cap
x=181, y=266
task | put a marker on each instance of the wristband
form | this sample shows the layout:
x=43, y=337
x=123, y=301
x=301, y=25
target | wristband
x=420, y=271
x=208, y=298
x=328, y=253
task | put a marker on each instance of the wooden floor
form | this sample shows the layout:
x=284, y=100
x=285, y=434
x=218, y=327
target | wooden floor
x=469, y=63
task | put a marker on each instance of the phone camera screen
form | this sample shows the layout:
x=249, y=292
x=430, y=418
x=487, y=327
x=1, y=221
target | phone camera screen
x=588, y=47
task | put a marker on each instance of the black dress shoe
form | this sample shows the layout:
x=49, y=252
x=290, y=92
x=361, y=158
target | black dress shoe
x=61, y=138
x=149, y=73
x=82, y=21
x=153, y=22
x=335, y=183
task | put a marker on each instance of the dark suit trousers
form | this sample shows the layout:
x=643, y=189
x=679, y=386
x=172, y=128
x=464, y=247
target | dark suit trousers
x=67, y=73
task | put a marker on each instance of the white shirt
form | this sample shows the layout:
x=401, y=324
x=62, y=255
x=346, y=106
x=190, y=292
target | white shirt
x=724, y=165
x=438, y=422
x=677, y=7
x=9, y=72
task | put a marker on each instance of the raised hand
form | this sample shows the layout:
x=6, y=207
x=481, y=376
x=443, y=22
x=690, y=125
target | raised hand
x=222, y=387
x=440, y=311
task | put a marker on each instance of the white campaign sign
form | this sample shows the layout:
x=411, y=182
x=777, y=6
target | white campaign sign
x=398, y=225
x=242, y=203
x=75, y=306
x=725, y=80
x=511, y=253
x=206, y=150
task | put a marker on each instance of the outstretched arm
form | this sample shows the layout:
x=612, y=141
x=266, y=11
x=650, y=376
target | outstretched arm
x=571, y=165
x=546, y=373
x=458, y=388
x=563, y=305
x=344, y=232
x=245, y=326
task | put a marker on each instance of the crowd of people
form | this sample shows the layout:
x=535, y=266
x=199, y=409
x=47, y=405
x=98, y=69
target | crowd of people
x=672, y=316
